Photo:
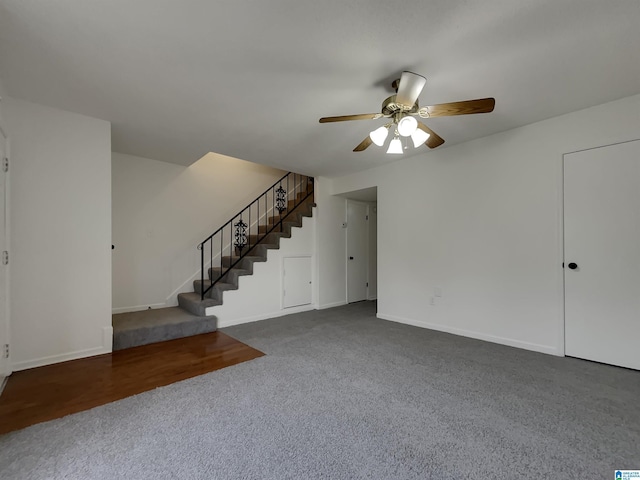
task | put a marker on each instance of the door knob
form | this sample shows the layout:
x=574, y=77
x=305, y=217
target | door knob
x=572, y=266
x=350, y=258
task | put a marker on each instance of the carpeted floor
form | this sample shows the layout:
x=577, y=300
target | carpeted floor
x=342, y=395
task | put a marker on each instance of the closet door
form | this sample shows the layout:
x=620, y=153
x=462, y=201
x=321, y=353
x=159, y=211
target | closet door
x=602, y=254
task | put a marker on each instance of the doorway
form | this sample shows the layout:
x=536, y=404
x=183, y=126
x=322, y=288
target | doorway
x=357, y=251
x=602, y=254
x=361, y=245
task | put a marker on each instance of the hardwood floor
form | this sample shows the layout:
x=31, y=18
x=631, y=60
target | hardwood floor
x=45, y=393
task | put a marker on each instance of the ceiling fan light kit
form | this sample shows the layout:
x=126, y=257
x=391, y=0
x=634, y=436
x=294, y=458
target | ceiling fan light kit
x=395, y=146
x=402, y=108
x=419, y=137
x=407, y=125
x=379, y=135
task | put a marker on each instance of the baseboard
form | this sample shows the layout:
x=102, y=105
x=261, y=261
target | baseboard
x=222, y=323
x=331, y=305
x=137, y=308
x=107, y=339
x=471, y=334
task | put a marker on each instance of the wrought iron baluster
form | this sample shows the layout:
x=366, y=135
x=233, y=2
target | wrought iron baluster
x=281, y=199
x=240, y=235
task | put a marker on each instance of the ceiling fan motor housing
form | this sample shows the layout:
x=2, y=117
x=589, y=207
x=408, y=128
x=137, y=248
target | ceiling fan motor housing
x=390, y=107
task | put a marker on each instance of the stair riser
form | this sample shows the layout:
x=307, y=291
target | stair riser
x=195, y=307
x=245, y=264
x=273, y=239
x=231, y=276
x=302, y=211
x=145, y=336
x=216, y=292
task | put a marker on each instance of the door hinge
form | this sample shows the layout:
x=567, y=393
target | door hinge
x=366, y=217
x=367, y=284
x=5, y=258
x=5, y=164
x=5, y=351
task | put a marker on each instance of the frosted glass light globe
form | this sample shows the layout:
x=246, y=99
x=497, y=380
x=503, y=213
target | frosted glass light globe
x=407, y=125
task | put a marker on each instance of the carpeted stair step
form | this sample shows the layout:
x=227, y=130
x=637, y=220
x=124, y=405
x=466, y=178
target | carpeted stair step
x=272, y=238
x=216, y=291
x=228, y=275
x=293, y=219
x=246, y=263
x=284, y=228
x=191, y=302
x=158, y=325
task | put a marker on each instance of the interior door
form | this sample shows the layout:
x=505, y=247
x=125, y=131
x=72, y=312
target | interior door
x=357, y=251
x=296, y=272
x=4, y=327
x=602, y=254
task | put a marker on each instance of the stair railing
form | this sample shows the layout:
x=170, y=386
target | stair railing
x=227, y=246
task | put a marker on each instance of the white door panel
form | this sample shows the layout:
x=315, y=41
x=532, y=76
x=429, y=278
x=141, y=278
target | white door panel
x=4, y=327
x=357, y=251
x=602, y=237
x=296, y=272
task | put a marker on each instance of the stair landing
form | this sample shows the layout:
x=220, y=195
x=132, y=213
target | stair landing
x=158, y=325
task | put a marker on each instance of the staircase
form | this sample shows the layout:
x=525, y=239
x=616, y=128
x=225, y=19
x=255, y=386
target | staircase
x=225, y=256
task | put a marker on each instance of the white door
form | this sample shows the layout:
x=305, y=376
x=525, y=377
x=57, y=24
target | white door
x=602, y=254
x=357, y=251
x=4, y=327
x=296, y=273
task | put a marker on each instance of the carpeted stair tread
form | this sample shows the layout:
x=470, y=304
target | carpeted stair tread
x=157, y=325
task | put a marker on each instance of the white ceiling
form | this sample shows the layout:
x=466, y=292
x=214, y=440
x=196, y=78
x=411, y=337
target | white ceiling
x=250, y=78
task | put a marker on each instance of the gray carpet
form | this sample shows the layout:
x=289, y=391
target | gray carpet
x=342, y=395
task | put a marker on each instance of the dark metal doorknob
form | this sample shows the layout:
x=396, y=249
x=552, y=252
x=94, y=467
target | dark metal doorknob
x=572, y=266
x=350, y=258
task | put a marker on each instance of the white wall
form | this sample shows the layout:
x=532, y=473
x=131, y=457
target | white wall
x=480, y=220
x=60, y=209
x=161, y=211
x=259, y=296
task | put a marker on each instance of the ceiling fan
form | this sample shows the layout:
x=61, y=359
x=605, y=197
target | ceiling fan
x=402, y=108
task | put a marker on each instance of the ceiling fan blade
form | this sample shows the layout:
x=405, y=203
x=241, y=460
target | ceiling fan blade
x=345, y=118
x=411, y=84
x=481, y=105
x=364, y=144
x=434, y=139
